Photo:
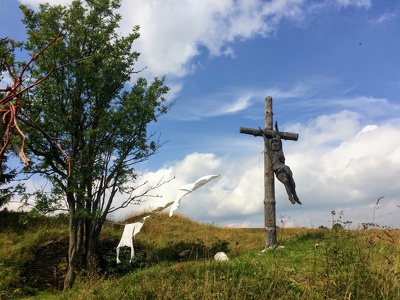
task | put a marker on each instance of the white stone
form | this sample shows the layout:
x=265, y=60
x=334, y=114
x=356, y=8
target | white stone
x=221, y=256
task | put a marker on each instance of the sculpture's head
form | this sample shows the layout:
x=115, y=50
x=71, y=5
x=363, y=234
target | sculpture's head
x=276, y=144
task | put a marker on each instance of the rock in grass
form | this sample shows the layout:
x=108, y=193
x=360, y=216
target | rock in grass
x=221, y=256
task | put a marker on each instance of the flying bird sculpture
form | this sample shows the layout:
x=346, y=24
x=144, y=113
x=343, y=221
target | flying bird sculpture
x=130, y=230
x=188, y=188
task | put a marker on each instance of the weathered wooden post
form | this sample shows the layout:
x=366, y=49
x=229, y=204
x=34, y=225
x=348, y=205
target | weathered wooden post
x=269, y=183
x=274, y=162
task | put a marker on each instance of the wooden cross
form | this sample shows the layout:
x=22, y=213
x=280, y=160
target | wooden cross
x=269, y=179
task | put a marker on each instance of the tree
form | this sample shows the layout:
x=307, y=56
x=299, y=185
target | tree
x=89, y=113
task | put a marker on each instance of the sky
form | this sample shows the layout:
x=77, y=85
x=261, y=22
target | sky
x=332, y=68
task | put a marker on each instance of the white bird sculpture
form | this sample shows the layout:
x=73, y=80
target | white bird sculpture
x=188, y=188
x=132, y=229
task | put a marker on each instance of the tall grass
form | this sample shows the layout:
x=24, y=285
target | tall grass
x=310, y=264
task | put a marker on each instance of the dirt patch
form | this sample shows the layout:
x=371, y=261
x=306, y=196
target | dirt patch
x=49, y=267
x=50, y=264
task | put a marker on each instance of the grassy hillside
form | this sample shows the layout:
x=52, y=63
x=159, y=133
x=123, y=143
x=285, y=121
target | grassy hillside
x=310, y=264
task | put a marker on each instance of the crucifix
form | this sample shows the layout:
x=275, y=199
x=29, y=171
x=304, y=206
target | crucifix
x=274, y=162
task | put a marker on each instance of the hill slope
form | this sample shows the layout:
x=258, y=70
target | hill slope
x=311, y=264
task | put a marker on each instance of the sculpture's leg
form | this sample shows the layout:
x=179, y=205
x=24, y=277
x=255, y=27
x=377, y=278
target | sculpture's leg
x=282, y=177
x=292, y=199
x=295, y=197
x=293, y=190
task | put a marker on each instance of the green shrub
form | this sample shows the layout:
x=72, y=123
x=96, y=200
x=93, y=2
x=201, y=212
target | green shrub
x=219, y=246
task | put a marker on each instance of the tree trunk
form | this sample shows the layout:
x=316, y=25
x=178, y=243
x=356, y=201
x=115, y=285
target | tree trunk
x=73, y=250
x=76, y=227
x=92, y=239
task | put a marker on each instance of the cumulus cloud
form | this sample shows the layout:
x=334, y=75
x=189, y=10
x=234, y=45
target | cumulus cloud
x=174, y=33
x=339, y=164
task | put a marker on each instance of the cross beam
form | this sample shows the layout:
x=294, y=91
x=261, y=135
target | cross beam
x=270, y=133
x=269, y=178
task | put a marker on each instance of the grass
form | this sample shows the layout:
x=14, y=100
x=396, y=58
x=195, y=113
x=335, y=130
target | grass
x=312, y=264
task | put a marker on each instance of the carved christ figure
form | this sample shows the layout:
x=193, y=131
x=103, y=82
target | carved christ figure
x=282, y=171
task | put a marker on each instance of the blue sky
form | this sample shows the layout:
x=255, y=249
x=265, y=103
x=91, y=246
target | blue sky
x=333, y=70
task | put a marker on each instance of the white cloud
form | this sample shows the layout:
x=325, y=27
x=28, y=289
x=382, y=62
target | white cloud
x=357, y=3
x=370, y=107
x=221, y=104
x=385, y=17
x=173, y=33
x=35, y=3
x=231, y=101
x=338, y=164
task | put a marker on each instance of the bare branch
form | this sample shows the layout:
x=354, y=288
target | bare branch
x=135, y=199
